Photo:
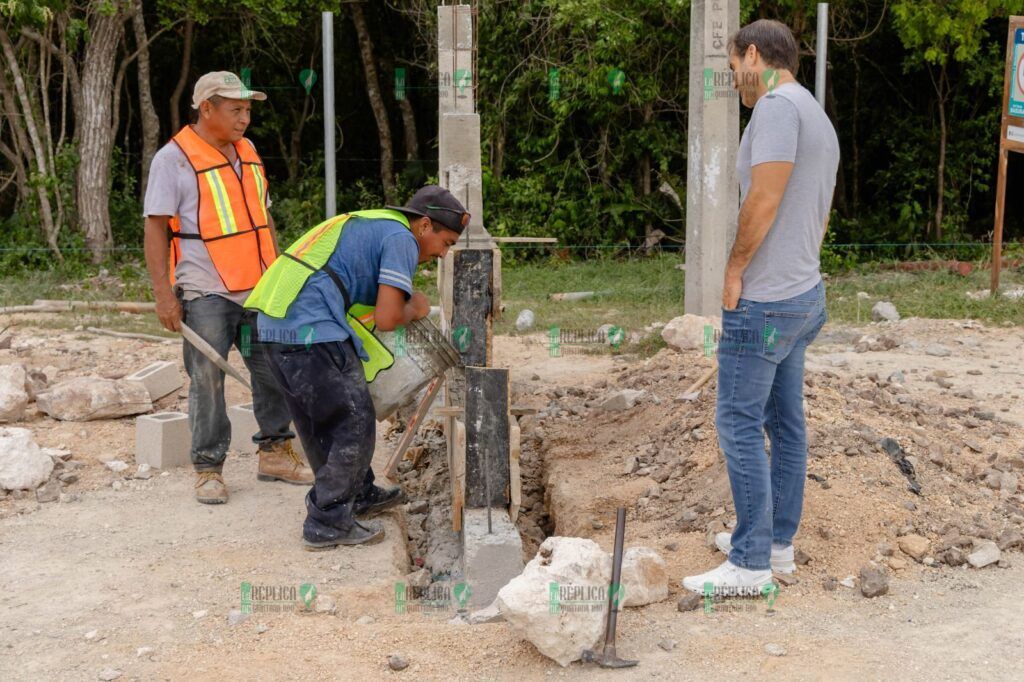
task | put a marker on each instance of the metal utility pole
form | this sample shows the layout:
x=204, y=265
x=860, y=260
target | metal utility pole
x=330, y=178
x=821, y=56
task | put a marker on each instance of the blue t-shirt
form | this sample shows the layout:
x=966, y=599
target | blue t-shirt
x=369, y=252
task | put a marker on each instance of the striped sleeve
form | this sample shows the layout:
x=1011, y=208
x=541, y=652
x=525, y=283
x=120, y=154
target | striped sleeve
x=398, y=259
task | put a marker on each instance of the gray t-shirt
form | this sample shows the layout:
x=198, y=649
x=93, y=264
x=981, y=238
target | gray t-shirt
x=173, y=190
x=788, y=124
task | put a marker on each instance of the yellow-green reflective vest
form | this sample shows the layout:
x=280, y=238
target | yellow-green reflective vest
x=281, y=283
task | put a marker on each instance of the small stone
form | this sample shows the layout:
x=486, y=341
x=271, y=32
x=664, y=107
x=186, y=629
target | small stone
x=419, y=578
x=787, y=579
x=365, y=620
x=874, y=581
x=937, y=350
x=48, y=492
x=236, y=617
x=897, y=564
x=397, y=662
x=68, y=478
x=418, y=507
x=801, y=557
x=143, y=651
x=914, y=546
x=116, y=465
x=773, y=649
x=985, y=553
x=671, y=546
x=525, y=320
x=199, y=614
x=92, y=635
x=667, y=644
x=689, y=602
x=144, y=472
x=830, y=584
x=324, y=604
x=909, y=505
x=261, y=628
x=884, y=310
x=108, y=674
x=631, y=465
x=849, y=581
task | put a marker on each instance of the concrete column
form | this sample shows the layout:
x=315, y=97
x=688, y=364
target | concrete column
x=712, y=192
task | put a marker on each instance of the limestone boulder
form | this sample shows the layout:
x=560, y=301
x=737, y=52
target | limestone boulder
x=559, y=602
x=88, y=398
x=644, y=577
x=23, y=465
x=691, y=332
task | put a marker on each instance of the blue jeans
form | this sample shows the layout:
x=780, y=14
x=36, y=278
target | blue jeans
x=760, y=389
x=223, y=323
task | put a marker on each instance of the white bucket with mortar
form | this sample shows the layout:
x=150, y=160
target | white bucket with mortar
x=421, y=353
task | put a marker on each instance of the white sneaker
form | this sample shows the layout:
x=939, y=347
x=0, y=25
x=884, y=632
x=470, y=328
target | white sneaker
x=730, y=580
x=782, y=557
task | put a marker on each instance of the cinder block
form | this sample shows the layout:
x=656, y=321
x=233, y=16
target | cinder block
x=489, y=560
x=163, y=440
x=244, y=427
x=160, y=379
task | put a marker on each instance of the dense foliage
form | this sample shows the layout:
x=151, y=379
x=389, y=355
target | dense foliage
x=583, y=106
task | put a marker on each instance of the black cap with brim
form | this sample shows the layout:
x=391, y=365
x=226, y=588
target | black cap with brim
x=438, y=204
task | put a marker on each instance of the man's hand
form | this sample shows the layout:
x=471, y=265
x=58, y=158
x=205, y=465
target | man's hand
x=420, y=305
x=732, y=289
x=168, y=309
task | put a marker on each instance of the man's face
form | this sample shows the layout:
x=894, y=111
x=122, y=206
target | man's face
x=228, y=118
x=433, y=244
x=746, y=74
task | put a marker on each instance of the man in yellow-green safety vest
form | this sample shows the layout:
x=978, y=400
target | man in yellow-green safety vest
x=318, y=305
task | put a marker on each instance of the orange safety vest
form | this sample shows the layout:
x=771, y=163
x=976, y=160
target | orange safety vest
x=232, y=214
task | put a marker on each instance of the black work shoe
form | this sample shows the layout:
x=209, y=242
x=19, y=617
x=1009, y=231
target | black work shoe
x=378, y=500
x=325, y=537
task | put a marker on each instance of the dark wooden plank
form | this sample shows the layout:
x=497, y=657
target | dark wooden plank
x=472, y=292
x=487, y=437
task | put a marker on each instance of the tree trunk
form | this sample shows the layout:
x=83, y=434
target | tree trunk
x=412, y=143
x=36, y=146
x=179, y=88
x=147, y=112
x=95, y=131
x=380, y=113
x=940, y=180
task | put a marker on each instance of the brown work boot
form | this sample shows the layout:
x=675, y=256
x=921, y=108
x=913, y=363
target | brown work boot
x=280, y=462
x=210, y=488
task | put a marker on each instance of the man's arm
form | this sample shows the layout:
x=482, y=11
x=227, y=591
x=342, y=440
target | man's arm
x=767, y=185
x=394, y=311
x=158, y=263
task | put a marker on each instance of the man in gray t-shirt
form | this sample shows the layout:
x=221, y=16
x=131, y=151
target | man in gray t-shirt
x=773, y=305
x=207, y=204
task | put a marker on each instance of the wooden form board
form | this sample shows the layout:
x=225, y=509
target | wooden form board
x=487, y=437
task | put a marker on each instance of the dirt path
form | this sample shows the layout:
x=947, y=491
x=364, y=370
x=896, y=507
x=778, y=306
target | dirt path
x=141, y=564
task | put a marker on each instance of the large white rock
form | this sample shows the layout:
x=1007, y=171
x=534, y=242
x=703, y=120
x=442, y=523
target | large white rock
x=644, y=577
x=538, y=604
x=689, y=332
x=86, y=398
x=23, y=466
x=13, y=397
x=884, y=310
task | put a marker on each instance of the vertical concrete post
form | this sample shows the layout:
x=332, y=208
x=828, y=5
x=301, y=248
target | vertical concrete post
x=712, y=193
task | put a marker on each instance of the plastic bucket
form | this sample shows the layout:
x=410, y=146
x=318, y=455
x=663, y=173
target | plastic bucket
x=421, y=353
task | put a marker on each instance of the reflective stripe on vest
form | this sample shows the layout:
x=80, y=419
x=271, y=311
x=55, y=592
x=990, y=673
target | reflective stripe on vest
x=284, y=280
x=232, y=212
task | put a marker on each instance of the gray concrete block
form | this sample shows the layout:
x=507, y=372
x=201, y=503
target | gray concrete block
x=489, y=560
x=160, y=379
x=244, y=427
x=163, y=440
